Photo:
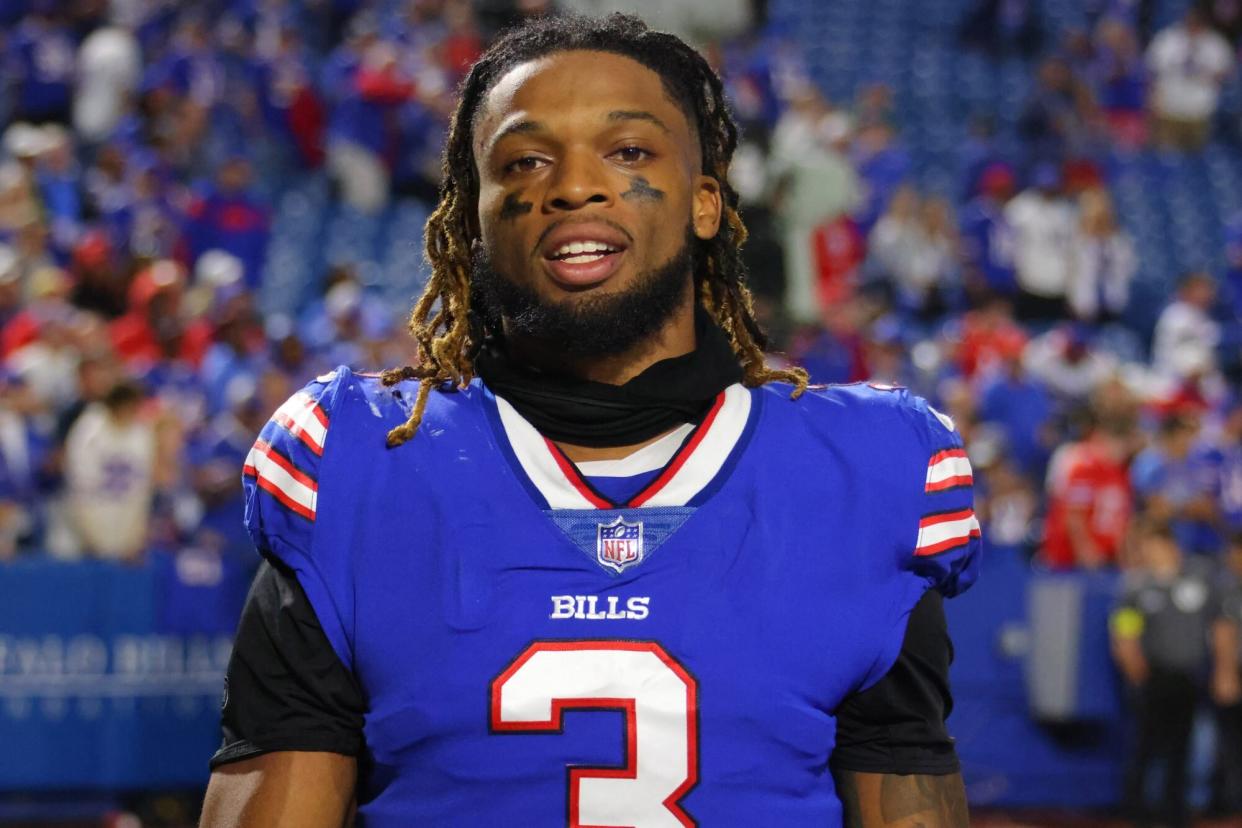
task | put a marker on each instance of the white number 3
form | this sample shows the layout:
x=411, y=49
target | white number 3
x=660, y=700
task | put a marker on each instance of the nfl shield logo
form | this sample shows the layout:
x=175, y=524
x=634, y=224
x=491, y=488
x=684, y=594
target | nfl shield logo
x=619, y=544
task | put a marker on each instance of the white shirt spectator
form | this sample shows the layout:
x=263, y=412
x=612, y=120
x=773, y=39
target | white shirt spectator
x=109, y=68
x=917, y=261
x=1070, y=370
x=1188, y=68
x=109, y=467
x=816, y=184
x=1185, y=340
x=1103, y=270
x=1043, y=231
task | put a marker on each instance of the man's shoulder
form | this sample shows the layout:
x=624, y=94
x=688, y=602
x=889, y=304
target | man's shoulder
x=876, y=419
x=360, y=407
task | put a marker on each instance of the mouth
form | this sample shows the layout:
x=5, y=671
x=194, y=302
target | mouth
x=580, y=263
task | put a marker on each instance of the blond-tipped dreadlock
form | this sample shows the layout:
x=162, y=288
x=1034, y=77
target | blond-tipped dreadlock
x=445, y=339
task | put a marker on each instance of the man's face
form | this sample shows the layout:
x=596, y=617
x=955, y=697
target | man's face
x=589, y=176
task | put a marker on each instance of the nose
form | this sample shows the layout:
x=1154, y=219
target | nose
x=578, y=180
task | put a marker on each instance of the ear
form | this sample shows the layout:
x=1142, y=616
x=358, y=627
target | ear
x=707, y=207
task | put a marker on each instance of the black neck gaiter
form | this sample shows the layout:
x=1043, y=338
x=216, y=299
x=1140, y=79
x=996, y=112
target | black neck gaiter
x=581, y=412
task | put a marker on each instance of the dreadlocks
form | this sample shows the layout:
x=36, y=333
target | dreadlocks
x=447, y=333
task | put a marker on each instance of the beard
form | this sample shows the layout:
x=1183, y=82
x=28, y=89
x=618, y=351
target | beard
x=590, y=326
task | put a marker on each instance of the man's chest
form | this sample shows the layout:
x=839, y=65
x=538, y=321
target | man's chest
x=630, y=670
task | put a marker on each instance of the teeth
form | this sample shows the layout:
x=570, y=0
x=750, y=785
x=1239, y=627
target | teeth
x=578, y=248
x=585, y=258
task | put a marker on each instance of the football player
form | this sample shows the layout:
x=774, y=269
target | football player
x=591, y=562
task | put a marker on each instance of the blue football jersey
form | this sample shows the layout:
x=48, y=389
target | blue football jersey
x=533, y=653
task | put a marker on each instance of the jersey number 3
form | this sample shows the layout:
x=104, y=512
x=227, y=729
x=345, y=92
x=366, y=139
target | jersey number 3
x=660, y=700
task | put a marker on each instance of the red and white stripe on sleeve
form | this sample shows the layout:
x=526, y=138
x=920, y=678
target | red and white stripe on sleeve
x=947, y=470
x=942, y=531
x=276, y=474
x=302, y=416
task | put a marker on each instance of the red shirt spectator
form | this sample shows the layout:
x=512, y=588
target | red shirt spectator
x=1089, y=503
x=839, y=248
x=153, y=330
x=988, y=336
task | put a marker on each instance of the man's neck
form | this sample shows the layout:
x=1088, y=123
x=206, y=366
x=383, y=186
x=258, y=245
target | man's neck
x=675, y=339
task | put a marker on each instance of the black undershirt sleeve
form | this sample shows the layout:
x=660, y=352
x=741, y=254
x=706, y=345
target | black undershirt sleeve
x=285, y=688
x=898, y=724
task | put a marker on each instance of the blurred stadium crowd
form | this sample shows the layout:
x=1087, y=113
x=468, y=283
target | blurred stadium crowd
x=203, y=205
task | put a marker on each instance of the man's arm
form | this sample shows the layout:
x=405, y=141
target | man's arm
x=895, y=765
x=291, y=721
x=890, y=800
x=288, y=788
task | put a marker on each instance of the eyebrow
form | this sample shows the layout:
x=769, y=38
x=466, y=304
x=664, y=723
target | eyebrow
x=637, y=115
x=527, y=127
x=519, y=128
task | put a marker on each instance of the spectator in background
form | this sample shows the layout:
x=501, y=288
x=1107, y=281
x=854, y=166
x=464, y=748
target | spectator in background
x=1065, y=361
x=368, y=85
x=980, y=153
x=45, y=300
x=10, y=290
x=21, y=456
x=1168, y=636
x=140, y=216
x=288, y=98
x=155, y=327
x=39, y=64
x=193, y=63
x=234, y=357
x=1227, y=778
x=47, y=359
x=30, y=242
x=99, y=285
x=1002, y=27
x=109, y=68
x=1008, y=504
x=886, y=355
x=913, y=250
x=97, y=374
x=1043, y=228
x=216, y=452
x=331, y=326
x=1057, y=120
x=1225, y=16
x=1174, y=482
x=764, y=254
x=1120, y=80
x=109, y=472
x=838, y=250
x=1104, y=261
x=833, y=351
x=1023, y=410
x=231, y=217
x=883, y=164
x=1186, y=335
x=287, y=354
x=1189, y=63
x=19, y=189
x=1228, y=467
x=987, y=238
x=58, y=179
x=813, y=184
x=985, y=337
x=1088, y=493
x=105, y=183
x=874, y=104
x=1231, y=289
